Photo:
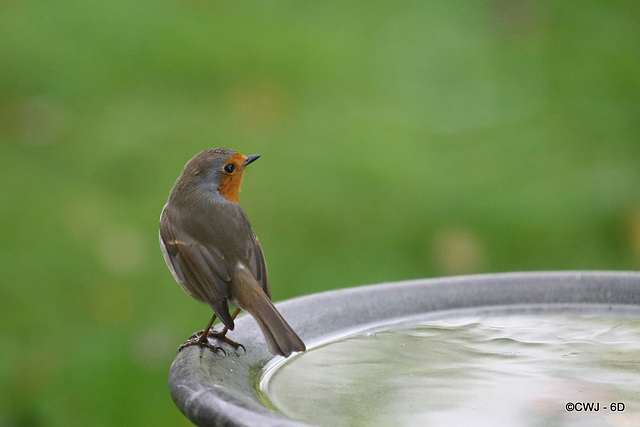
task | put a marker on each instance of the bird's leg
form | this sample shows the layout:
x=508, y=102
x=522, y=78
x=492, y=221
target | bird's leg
x=201, y=338
x=222, y=335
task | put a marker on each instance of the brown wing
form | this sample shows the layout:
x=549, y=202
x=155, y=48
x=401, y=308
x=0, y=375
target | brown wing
x=258, y=266
x=202, y=271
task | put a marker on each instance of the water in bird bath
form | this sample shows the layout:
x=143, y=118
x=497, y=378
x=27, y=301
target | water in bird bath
x=520, y=370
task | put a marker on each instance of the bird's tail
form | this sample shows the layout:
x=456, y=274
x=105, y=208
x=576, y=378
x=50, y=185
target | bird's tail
x=281, y=338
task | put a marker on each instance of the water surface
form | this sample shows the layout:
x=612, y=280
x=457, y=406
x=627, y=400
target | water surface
x=485, y=371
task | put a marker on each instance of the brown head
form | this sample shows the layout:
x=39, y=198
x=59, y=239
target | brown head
x=217, y=171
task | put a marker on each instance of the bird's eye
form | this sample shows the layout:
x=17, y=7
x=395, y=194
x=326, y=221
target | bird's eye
x=229, y=168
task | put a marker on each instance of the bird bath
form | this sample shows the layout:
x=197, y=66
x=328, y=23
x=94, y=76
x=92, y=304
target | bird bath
x=516, y=348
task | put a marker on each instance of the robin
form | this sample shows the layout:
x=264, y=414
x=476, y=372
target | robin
x=214, y=254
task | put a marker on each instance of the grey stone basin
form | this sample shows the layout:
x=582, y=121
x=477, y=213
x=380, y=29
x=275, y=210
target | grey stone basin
x=216, y=389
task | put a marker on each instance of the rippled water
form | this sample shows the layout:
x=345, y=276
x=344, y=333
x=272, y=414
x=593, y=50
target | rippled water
x=493, y=371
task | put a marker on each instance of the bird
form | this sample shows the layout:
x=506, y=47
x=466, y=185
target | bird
x=213, y=253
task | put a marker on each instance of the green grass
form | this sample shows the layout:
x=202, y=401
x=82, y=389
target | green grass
x=399, y=141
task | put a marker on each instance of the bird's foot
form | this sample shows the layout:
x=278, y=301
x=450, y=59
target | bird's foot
x=199, y=339
x=222, y=336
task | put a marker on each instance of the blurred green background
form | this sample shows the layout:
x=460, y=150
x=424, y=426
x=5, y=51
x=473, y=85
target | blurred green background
x=400, y=140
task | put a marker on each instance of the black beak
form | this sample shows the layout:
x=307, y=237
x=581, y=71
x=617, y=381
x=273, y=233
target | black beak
x=251, y=159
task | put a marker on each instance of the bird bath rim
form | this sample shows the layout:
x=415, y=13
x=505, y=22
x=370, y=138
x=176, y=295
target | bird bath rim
x=217, y=389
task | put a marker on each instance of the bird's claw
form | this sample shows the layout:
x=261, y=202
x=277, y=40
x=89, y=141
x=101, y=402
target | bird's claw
x=198, y=339
x=222, y=336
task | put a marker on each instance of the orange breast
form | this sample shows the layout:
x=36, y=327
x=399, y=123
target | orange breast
x=230, y=183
